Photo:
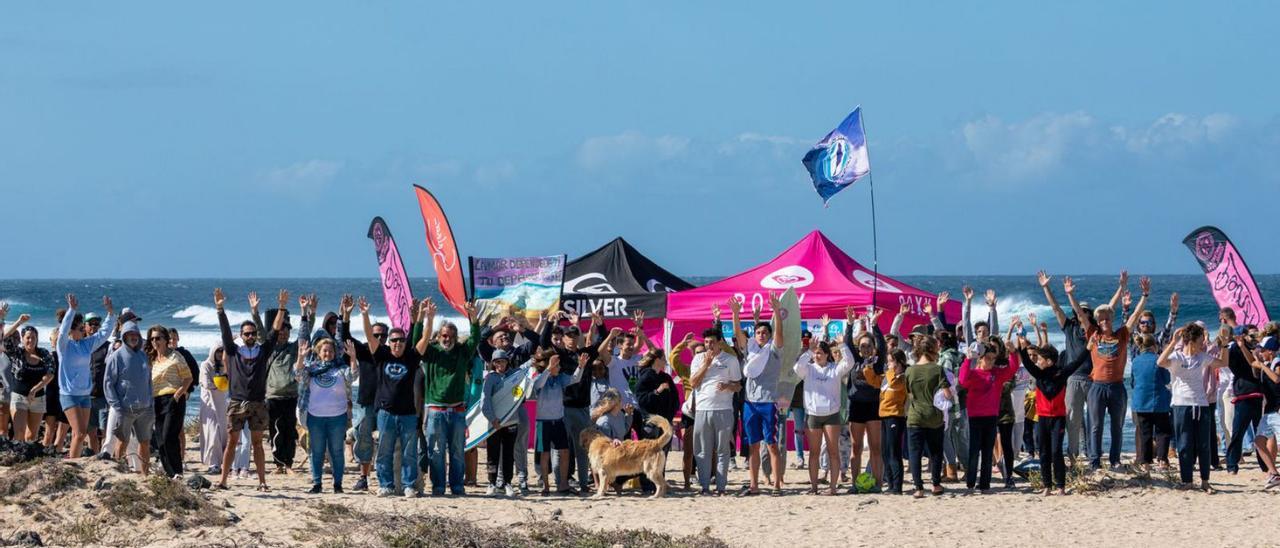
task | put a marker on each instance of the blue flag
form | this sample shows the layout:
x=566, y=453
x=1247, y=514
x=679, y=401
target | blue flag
x=840, y=158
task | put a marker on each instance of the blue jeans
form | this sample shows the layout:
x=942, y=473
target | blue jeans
x=1110, y=398
x=327, y=434
x=392, y=428
x=364, y=417
x=445, y=432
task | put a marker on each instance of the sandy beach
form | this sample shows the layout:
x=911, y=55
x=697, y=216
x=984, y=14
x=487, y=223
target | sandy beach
x=1120, y=510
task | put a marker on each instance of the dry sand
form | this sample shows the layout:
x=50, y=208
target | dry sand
x=1240, y=513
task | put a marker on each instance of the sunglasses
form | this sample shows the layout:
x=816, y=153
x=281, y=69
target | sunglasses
x=397, y=340
x=379, y=336
x=249, y=334
x=1145, y=322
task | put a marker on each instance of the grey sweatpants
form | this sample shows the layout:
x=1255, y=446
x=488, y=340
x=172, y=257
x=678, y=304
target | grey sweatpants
x=522, y=450
x=713, y=439
x=575, y=421
x=1077, y=423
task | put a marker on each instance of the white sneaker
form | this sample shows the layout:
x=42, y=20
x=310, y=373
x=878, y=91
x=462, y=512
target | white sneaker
x=511, y=491
x=385, y=492
x=410, y=493
x=492, y=490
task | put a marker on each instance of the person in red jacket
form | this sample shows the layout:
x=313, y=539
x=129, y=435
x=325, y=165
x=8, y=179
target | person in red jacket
x=1051, y=372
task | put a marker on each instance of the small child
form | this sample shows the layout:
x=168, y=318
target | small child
x=501, y=445
x=552, y=435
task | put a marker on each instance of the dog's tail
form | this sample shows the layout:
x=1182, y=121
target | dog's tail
x=665, y=426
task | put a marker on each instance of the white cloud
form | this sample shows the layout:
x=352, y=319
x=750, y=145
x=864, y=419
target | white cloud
x=494, y=173
x=1177, y=130
x=303, y=174
x=605, y=152
x=1026, y=149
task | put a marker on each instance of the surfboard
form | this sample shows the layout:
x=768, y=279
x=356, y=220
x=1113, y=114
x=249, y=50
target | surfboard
x=506, y=403
x=787, y=318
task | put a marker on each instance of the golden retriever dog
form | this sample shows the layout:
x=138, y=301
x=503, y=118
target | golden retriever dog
x=630, y=457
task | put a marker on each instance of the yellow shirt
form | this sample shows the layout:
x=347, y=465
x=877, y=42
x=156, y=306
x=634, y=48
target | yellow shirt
x=168, y=374
x=893, y=396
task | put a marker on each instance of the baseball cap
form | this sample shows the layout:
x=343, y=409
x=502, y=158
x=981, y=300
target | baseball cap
x=500, y=355
x=572, y=330
x=127, y=315
x=922, y=330
x=91, y=317
x=1271, y=343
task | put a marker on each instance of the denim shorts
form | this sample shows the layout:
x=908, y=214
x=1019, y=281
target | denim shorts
x=1269, y=426
x=69, y=402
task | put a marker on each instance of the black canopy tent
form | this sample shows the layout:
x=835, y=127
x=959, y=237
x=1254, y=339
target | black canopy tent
x=615, y=280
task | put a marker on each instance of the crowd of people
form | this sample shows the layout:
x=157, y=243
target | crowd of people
x=964, y=397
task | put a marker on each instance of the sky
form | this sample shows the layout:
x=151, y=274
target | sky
x=173, y=139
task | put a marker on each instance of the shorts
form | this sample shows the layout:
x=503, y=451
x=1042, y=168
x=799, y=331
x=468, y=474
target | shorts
x=1269, y=426
x=71, y=402
x=138, y=423
x=760, y=422
x=552, y=435
x=18, y=402
x=817, y=423
x=98, y=414
x=253, y=413
x=864, y=411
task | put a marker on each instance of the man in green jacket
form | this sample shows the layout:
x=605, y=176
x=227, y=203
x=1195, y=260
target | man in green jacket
x=446, y=366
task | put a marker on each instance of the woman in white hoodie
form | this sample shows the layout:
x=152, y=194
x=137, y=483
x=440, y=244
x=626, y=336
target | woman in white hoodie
x=213, y=410
x=823, y=379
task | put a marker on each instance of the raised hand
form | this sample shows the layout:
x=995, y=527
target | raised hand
x=638, y=318
x=735, y=305
x=1043, y=277
x=615, y=332
x=943, y=297
x=363, y=303
x=314, y=303
x=687, y=340
x=967, y=292
x=583, y=359
x=423, y=305
x=253, y=300
x=928, y=309
x=553, y=364
x=4, y=310
x=470, y=309
x=108, y=305
x=991, y=297
x=873, y=314
x=1031, y=318
x=1124, y=278
x=283, y=298
x=347, y=304
x=904, y=309
x=596, y=319
x=1068, y=285
x=72, y=302
x=1126, y=299
x=574, y=319
x=218, y=298
x=24, y=318
x=304, y=346
x=1145, y=283
x=350, y=348
x=1017, y=322
x=302, y=302
x=715, y=312
x=1173, y=303
x=850, y=313
x=774, y=300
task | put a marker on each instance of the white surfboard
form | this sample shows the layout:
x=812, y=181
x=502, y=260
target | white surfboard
x=506, y=403
x=787, y=318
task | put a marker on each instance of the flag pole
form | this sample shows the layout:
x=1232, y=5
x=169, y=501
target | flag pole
x=875, y=247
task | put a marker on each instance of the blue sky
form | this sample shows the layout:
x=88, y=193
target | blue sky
x=259, y=139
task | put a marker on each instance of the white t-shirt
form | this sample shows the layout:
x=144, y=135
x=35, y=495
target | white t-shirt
x=1190, y=385
x=724, y=368
x=622, y=373
x=822, y=384
x=328, y=394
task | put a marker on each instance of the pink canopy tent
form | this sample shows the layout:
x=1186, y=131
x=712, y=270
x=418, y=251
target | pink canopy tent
x=826, y=281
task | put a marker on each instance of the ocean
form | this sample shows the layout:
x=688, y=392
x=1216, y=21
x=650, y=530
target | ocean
x=187, y=304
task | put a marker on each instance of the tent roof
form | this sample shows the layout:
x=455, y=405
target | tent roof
x=827, y=277
x=617, y=275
